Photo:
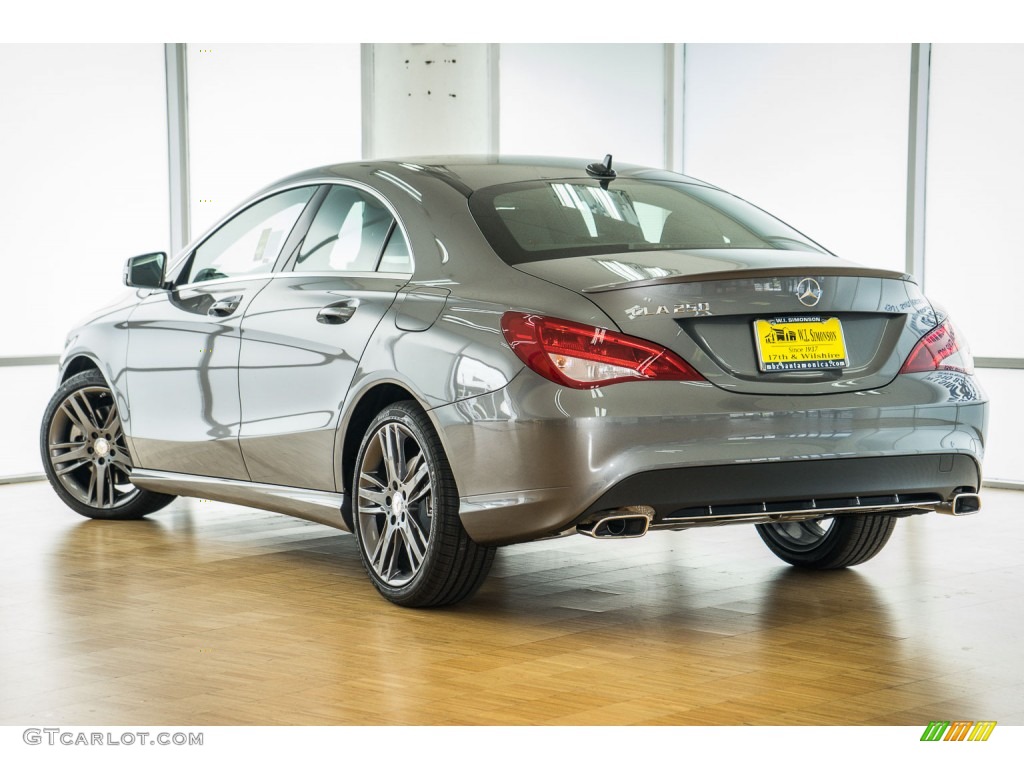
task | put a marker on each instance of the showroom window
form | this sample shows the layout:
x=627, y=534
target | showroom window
x=91, y=121
x=974, y=193
x=259, y=112
x=816, y=134
x=250, y=242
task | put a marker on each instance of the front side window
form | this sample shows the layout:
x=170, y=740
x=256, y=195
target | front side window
x=250, y=242
x=534, y=221
x=348, y=233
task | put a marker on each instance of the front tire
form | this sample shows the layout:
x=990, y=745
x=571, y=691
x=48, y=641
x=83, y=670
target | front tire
x=406, y=514
x=830, y=543
x=85, y=455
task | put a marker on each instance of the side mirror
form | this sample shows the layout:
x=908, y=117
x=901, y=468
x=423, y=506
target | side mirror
x=145, y=271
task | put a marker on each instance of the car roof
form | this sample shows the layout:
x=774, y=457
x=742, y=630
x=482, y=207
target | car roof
x=468, y=173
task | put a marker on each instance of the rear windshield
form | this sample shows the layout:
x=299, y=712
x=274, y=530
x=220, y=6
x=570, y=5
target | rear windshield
x=551, y=219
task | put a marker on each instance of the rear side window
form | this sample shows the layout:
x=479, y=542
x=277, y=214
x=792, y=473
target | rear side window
x=533, y=221
x=348, y=233
x=396, y=257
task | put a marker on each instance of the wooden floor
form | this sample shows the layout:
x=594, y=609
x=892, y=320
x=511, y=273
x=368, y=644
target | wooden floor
x=209, y=614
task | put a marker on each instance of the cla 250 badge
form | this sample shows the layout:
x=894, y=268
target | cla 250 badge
x=704, y=308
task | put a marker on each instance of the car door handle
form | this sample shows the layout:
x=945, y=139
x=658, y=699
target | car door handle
x=338, y=312
x=224, y=307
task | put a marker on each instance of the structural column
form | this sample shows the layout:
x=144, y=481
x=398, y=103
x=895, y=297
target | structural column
x=917, y=158
x=177, y=144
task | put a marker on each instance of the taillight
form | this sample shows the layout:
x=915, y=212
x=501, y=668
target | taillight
x=585, y=357
x=943, y=348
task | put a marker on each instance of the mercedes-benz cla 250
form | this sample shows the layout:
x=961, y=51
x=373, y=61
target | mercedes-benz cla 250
x=450, y=354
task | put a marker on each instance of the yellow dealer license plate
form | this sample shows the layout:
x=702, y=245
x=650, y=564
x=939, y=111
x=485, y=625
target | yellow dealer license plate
x=800, y=343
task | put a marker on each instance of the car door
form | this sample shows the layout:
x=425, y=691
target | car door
x=304, y=334
x=183, y=343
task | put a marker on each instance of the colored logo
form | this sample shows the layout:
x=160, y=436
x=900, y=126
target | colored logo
x=958, y=730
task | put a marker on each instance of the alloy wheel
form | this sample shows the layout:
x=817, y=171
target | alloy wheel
x=87, y=450
x=394, y=504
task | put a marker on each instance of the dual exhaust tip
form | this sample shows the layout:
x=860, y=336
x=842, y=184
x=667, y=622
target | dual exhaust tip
x=634, y=522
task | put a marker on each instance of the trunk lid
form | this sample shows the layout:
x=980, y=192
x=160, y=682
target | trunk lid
x=705, y=306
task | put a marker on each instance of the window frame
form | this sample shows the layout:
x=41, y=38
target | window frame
x=185, y=262
x=288, y=266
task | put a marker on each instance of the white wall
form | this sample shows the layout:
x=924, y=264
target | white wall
x=815, y=134
x=432, y=99
x=584, y=100
x=260, y=112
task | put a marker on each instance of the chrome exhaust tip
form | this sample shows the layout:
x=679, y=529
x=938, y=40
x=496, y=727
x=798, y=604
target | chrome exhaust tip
x=625, y=523
x=962, y=504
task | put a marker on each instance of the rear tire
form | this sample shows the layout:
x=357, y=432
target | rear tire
x=406, y=514
x=830, y=543
x=85, y=455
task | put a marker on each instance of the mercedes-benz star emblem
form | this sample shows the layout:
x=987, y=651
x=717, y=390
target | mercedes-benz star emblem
x=808, y=292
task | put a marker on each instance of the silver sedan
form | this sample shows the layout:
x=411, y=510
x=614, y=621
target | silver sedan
x=445, y=355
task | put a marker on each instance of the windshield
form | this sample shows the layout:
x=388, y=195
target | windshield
x=539, y=220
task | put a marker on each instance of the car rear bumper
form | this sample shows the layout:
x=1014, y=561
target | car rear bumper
x=536, y=459
x=688, y=494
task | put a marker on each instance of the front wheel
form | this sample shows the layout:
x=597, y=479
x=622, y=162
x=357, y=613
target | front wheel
x=829, y=543
x=85, y=455
x=406, y=514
